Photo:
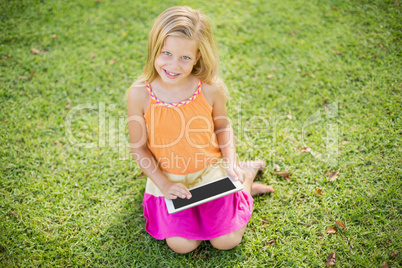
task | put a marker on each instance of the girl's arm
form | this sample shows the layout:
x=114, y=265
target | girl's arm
x=224, y=133
x=137, y=98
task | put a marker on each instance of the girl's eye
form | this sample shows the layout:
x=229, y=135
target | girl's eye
x=186, y=58
x=166, y=53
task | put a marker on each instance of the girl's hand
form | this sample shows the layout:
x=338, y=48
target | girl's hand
x=173, y=190
x=236, y=173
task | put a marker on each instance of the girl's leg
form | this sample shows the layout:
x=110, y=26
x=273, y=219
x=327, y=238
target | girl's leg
x=228, y=241
x=250, y=168
x=182, y=245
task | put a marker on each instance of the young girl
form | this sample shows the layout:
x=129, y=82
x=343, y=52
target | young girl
x=181, y=138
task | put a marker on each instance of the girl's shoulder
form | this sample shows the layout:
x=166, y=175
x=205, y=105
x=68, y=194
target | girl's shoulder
x=213, y=92
x=138, y=97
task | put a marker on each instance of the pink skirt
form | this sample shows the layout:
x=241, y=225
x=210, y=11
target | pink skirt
x=204, y=222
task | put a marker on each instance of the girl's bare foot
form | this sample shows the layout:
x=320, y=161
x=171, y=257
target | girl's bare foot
x=251, y=168
x=258, y=188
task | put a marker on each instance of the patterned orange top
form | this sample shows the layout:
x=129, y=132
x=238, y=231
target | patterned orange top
x=181, y=135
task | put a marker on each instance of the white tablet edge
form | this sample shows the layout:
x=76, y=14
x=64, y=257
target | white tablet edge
x=238, y=187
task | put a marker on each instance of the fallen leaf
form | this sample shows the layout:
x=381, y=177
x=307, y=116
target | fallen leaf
x=270, y=242
x=384, y=265
x=277, y=168
x=35, y=51
x=272, y=69
x=92, y=56
x=94, y=196
x=333, y=176
x=54, y=36
x=289, y=115
x=344, y=142
x=331, y=230
x=22, y=77
x=341, y=224
x=326, y=172
x=293, y=34
x=87, y=175
x=393, y=255
x=264, y=222
x=270, y=76
x=299, y=70
x=312, y=75
x=334, y=8
x=68, y=106
x=12, y=212
x=306, y=149
x=281, y=174
x=32, y=74
x=331, y=259
x=336, y=52
x=112, y=62
x=375, y=56
x=287, y=178
x=318, y=191
x=68, y=100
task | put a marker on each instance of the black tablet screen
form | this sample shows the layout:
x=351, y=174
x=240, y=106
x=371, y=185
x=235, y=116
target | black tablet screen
x=204, y=192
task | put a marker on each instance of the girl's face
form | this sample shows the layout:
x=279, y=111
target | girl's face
x=176, y=59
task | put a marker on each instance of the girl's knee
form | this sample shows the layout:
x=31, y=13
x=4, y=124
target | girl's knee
x=226, y=242
x=182, y=245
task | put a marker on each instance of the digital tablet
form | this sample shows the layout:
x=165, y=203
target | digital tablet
x=204, y=193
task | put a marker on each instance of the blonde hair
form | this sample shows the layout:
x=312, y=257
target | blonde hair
x=184, y=22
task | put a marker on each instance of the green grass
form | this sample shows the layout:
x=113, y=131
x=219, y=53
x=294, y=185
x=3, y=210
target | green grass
x=64, y=205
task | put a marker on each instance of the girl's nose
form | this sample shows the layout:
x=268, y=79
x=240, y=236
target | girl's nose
x=174, y=62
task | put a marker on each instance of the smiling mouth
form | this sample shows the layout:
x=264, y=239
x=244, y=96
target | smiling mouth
x=170, y=74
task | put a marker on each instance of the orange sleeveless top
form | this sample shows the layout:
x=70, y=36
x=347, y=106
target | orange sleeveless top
x=181, y=135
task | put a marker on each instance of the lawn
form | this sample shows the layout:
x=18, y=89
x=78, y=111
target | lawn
x=315, y=90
